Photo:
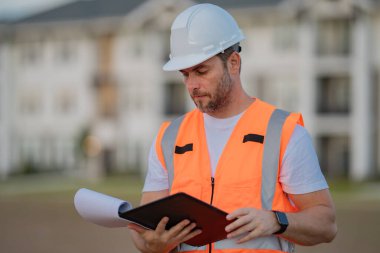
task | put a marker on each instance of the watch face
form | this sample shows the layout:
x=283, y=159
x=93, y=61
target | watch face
x=282, y=219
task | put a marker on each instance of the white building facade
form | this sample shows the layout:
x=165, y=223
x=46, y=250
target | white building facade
x=95, y=86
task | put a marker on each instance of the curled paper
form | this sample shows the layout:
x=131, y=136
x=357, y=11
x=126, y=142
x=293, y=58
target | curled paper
x=100, y=209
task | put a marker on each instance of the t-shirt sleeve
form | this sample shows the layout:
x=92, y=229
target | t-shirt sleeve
x=300, y=171
x=157, y=177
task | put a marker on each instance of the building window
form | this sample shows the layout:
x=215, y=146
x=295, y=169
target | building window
x=30, y=53
x=265, y=89
x=334, y=155
x=30, y=103
x=333, y=94
x=65, y=51
x=334, y=37
x=175, y=98
x=138, y=47
x=285, y=37
x=65, y=102
x=106, y=96
x=107, y=100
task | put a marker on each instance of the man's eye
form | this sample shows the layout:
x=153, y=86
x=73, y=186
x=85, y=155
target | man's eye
x=201, y=72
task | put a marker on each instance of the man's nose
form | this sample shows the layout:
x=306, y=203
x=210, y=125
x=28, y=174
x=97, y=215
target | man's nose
x=192, y=82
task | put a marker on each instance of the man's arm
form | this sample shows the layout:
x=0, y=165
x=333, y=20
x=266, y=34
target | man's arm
x=314, y=222
x=161, y=240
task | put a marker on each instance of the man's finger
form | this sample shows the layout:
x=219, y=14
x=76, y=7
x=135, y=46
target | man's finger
x=191, y=235
x=178, y=228
x=241, y=230
x=238, y=213
x=238, y=223
x=162, y=225
x=136, y=228
x=186, y=231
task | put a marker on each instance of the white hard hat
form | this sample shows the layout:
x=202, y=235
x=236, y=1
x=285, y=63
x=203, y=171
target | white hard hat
x=199, y=33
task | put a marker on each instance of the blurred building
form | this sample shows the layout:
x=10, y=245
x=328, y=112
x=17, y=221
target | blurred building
x=81, y=85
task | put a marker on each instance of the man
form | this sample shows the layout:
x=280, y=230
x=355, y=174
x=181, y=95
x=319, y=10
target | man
x=236, y=152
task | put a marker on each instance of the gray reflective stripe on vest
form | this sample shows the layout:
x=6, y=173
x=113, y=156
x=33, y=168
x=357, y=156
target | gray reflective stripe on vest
x=168, y=145
x=271, y=157
x=185, y=247
x=268, y=242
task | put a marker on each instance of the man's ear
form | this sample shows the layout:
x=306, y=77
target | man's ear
x=234, y=63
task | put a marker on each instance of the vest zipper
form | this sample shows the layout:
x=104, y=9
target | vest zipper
x=212, y=197
x=212, y=189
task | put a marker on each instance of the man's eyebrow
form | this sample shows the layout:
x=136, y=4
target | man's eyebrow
x=194, y=69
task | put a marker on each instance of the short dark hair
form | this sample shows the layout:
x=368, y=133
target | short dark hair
x=224, y=55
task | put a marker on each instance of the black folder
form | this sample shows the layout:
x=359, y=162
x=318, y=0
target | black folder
x=211, y=220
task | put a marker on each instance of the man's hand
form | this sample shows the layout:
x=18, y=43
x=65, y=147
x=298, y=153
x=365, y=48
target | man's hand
x=254, y=221
x=313, y=223
x=162, y=240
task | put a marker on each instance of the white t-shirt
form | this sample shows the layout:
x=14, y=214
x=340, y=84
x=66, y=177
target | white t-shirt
x=300, y=171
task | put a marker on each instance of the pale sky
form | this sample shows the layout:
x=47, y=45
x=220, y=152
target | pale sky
x=17, y=8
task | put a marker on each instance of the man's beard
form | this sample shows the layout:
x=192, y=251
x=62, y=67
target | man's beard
x=219, y=99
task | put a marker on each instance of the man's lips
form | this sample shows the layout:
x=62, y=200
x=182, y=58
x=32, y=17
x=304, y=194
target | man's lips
x=200, y=95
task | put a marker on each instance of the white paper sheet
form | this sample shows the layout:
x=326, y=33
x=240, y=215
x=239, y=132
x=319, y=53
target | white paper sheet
x=100, y=209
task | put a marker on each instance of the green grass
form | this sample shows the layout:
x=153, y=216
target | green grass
x=50, y=186
x=130, y=185
x=348, y=194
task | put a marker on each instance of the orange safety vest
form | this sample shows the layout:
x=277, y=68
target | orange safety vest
x=247, y=171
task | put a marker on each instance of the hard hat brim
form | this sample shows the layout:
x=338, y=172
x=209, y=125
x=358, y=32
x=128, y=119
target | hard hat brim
x=191, y=60
x=185, y=62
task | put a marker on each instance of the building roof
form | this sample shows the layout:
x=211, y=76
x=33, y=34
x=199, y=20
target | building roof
x=92, y=9
x=84, y=9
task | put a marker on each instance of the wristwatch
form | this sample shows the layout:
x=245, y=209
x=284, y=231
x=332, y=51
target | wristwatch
x=282, y=221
